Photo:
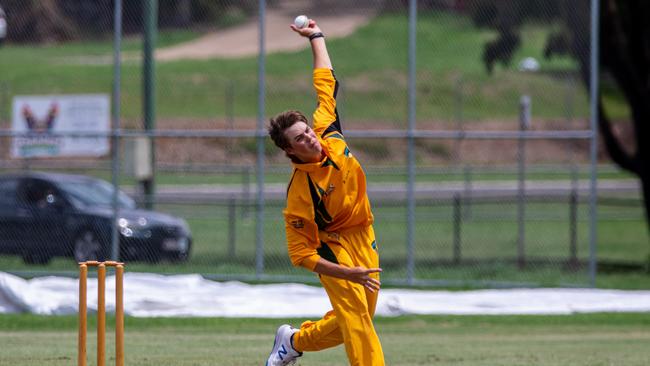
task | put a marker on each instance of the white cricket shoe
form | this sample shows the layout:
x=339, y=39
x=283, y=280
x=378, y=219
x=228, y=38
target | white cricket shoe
x=283, y=352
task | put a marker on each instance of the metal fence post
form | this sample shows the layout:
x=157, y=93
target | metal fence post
x=458, y=104
x=467, y=195
x=573, y=229
x=593, y=148
x=232, y=227
x=524, y=124
x=261, y=76
x=149, y=94
x=230, y=104
x=457, y=224
x=246, y=192
x=229, y=108
x=410, y=215
x=115, y=111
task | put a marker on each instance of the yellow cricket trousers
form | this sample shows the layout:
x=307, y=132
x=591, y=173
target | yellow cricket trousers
x=350, y=321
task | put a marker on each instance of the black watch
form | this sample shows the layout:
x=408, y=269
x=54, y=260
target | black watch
x=316, y=35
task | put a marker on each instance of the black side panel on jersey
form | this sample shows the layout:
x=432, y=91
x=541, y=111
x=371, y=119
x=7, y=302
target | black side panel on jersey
x=293, y=175
x=336, y=125
x=321, y=216
x=326, y=253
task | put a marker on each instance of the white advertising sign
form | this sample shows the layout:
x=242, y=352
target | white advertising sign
x=43, y=117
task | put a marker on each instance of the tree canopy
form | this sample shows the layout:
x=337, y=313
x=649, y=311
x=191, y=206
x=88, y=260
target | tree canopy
x=624, y=57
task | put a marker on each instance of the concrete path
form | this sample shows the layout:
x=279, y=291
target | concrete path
x=243, y=40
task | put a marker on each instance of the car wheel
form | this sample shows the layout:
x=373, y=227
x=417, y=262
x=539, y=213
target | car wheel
x=181, y=256
x=88, y=247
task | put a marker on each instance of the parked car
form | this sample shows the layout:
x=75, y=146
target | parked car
x=43, y=215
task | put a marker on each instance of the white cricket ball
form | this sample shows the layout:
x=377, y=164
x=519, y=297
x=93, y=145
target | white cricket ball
x=301, y=21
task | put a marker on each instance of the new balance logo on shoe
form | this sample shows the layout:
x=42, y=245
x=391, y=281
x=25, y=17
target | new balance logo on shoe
x=283, y=352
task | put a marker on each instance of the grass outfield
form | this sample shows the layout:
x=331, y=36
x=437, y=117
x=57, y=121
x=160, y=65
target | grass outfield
x=576, y=340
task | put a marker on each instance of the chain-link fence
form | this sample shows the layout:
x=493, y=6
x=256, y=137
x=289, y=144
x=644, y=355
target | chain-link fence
x=471, y=118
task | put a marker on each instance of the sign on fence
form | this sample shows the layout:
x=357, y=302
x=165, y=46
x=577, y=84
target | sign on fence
x=44, y=118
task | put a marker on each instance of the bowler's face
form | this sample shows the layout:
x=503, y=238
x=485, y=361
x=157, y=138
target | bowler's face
x=304, y=143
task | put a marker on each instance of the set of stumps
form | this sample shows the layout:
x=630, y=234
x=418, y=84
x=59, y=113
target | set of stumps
x=101, y=311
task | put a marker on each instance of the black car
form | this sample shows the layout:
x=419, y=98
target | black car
x=43, y=215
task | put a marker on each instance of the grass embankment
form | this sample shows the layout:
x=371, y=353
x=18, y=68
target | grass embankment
x=371, y=64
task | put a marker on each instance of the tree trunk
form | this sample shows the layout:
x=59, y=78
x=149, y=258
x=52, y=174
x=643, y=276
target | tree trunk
x=621, y=39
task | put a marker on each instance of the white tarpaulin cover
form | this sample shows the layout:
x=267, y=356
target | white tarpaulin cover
x=148, y=295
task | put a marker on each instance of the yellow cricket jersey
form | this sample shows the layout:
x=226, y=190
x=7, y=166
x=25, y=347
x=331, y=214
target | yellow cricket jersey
x=328, y=196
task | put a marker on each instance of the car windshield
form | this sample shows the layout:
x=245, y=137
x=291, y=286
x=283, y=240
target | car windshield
x=95, y=193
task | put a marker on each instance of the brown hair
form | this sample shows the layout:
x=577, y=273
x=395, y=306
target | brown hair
x=280, y=123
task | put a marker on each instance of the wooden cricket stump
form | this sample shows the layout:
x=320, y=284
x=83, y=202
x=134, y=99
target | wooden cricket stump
x=101, y=311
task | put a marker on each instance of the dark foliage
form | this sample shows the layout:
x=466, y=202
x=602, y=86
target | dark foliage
x=39, y=21
x=624, y=57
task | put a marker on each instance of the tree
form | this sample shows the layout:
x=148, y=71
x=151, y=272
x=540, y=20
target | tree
x=37, y=21
x=624, y=58
x=42, y=21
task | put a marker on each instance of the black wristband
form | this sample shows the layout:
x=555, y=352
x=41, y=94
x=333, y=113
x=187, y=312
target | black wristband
x=316, y=35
